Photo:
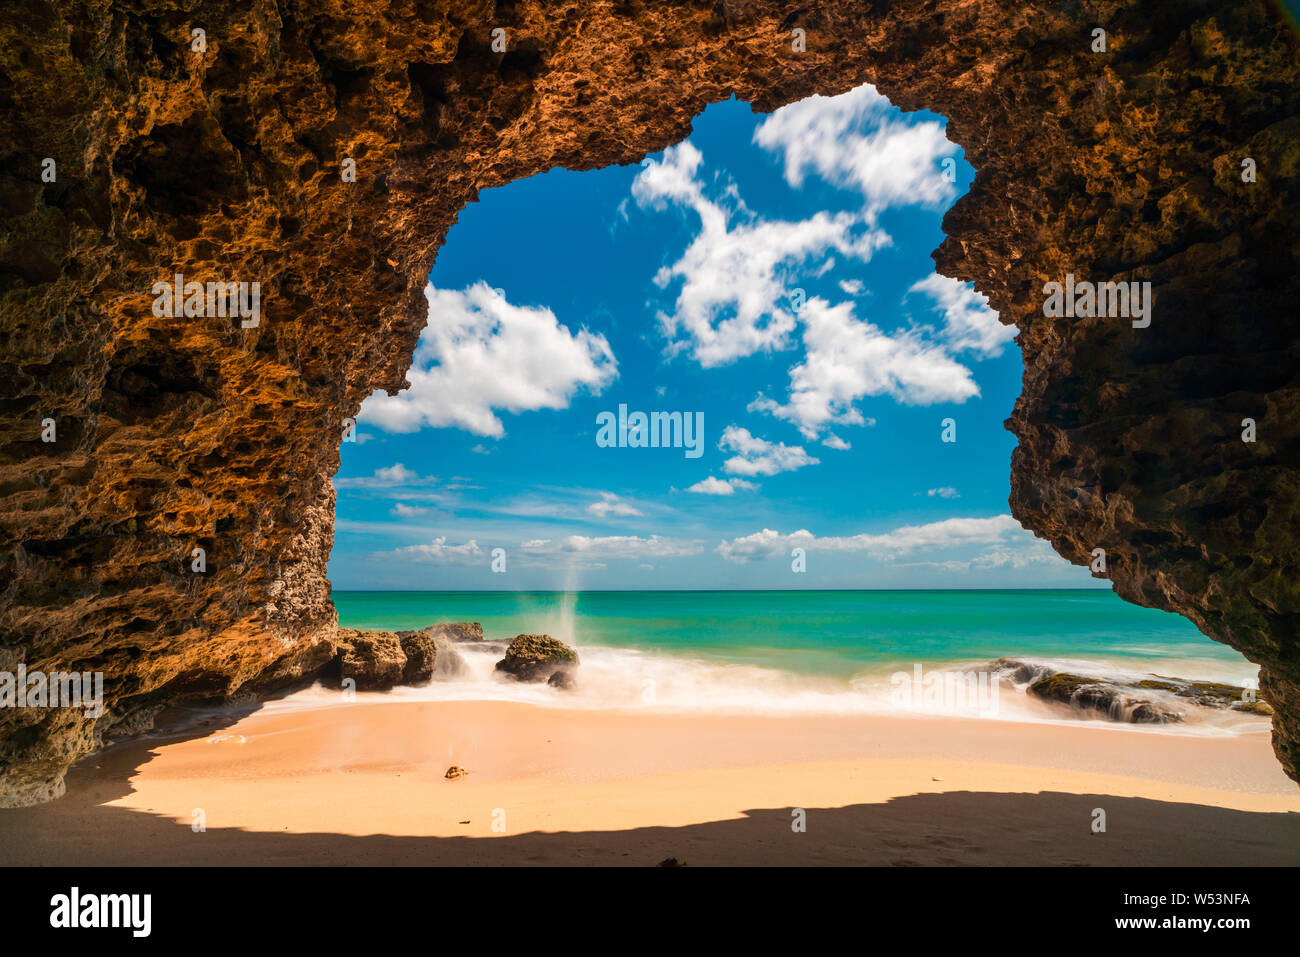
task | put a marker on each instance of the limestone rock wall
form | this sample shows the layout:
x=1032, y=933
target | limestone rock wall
x=224, y=164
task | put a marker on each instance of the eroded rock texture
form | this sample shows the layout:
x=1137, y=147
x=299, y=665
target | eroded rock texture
x=225, y=164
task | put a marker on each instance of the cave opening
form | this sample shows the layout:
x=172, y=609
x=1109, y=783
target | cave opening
x=1119, y=162
x=769, y=276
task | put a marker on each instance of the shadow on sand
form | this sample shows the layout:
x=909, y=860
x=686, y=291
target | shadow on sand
x=949, y=828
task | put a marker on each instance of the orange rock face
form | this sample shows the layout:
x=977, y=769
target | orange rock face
x=224, y=156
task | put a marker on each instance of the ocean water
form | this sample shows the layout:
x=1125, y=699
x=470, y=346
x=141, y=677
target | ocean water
x=791, y=652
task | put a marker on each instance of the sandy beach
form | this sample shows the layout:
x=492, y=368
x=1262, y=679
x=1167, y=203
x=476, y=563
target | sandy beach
x=363, y=783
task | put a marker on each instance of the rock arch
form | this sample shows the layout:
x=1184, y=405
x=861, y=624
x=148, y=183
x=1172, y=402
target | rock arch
x=224, y=163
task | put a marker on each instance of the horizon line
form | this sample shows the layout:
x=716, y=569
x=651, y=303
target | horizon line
x=400, y=591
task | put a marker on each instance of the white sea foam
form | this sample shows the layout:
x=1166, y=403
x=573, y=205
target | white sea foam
x=656, y=682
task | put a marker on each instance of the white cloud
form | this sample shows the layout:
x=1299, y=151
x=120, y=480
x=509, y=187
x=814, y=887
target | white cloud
x=909, y=538
x=853, y=287
x=611, y=504
x=1021, y=554
x=613, y=547
x=387, y=477
x=755, y=456
x=717, y=486
x=857, y=141
x=837, y=443
x=736, y=276
x=968, y=322
x=402, y=510
x=847, y=359
x=438, y=552
x=478, y=353
x=946, y=491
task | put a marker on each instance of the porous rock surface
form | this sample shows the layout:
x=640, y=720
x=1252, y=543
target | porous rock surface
x=224, y=164
x=421, y=652
x=540, y=658
x=372, y=660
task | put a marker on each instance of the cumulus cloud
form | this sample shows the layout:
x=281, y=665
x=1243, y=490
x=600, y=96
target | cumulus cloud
x=479, y=354
x=968, y=322
x=438, y=552
x=909, y=538
x=611, y=504
x=857, y=141
x=612, y=547
x=1026, y=553
x=946, y=491
x=717, y=486
x=837, y=443
x=755, y=456
x=388, y=477
x=736, y=273
x=847, y=359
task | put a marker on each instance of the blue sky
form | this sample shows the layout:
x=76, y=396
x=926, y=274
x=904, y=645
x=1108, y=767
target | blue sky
x=771, y=273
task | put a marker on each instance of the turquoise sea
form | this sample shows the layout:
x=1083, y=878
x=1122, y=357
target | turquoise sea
x=831, y=633
x=804, y=652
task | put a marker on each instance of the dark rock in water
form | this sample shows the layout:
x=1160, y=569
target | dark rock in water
x=1211, y=694
x=421, y=656
x=373, y=659
x=1019, y=672
x=1122, y=700
x=1145, y=712
x=1256, y=706
x=562, y=679
x=456, y=631
x=1092, y=694
x=537, y=658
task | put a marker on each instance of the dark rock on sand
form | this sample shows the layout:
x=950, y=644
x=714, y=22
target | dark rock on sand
x=379, y=660
x=373, y=659
x=537, y=658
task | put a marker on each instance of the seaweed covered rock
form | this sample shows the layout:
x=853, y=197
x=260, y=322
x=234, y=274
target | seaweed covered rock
x=1090, y=694
x=1211, y=694
x=538, y=658
x=1128, y=699
x=373, y=659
